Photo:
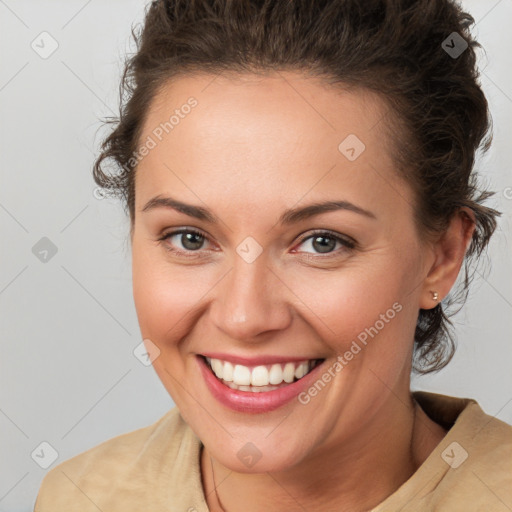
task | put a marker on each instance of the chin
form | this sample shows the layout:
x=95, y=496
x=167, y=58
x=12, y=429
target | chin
x=257, y=457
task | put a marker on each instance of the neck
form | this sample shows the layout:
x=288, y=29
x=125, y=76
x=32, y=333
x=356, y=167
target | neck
x=344, y=477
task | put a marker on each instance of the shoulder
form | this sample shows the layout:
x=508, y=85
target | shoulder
x=474, y=460
x=121, y=469
x=469, y=470
x=478, y=463
x=478, y=455
x=484, y=436
x=123, y=449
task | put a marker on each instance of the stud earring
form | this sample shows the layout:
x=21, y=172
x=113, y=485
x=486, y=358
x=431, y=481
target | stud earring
x=435, y=296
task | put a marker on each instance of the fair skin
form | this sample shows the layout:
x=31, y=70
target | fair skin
x=253, y=147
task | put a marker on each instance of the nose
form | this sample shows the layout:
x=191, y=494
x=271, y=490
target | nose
x=249, y=301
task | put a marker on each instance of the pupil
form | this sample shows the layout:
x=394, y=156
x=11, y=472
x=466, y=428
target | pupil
x=189, y=239
x=324, y=247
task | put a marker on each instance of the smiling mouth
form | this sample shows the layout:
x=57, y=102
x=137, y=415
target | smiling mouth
x=261, y=378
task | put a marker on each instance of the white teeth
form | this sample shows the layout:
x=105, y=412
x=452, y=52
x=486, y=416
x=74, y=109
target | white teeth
x=259, y=389
x=241, y=375
x=276, y=374
x=227, y=372
x=289, y=372
x=217, y=368
x=301, y=370
x=259, y=378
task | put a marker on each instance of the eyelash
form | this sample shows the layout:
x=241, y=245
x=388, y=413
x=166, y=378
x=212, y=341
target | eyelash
x=346, y=242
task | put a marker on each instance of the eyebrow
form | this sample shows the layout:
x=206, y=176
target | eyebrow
x=289, y=216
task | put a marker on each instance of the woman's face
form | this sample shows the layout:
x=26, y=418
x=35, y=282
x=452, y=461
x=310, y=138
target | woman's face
x=269, y=281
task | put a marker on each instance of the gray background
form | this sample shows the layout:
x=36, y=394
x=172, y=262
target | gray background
x=69, y=328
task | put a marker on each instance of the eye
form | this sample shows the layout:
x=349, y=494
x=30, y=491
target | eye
x=325, y=242
x=184, y=241
x=190, y=242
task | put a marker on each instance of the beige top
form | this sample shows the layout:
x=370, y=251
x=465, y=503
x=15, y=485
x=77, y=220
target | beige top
x=157, y=468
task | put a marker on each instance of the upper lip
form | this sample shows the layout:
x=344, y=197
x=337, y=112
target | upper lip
x=258, y=360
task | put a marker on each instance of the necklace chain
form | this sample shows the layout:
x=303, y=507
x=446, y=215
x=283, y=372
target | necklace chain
x=215, y=487
x=217, y=499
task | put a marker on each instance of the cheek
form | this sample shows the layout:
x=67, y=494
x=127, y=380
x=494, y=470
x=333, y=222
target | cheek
x=366, y=312
x=345, y=301
x=167, y=297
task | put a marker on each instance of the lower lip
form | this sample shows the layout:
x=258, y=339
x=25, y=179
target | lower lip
x=245, y=401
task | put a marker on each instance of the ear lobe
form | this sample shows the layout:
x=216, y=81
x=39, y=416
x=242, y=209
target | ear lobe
x=449, y=251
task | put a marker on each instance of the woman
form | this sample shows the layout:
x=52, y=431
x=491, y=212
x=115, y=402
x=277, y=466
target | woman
x=299, y=182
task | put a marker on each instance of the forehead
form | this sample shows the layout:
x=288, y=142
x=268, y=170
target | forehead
x=250, y=138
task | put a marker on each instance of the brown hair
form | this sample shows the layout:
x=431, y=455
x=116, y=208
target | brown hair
x=392, y=47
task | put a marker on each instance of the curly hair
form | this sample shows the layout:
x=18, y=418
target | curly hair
x=396, y=48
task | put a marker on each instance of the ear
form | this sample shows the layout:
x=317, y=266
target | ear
x=449, y=251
